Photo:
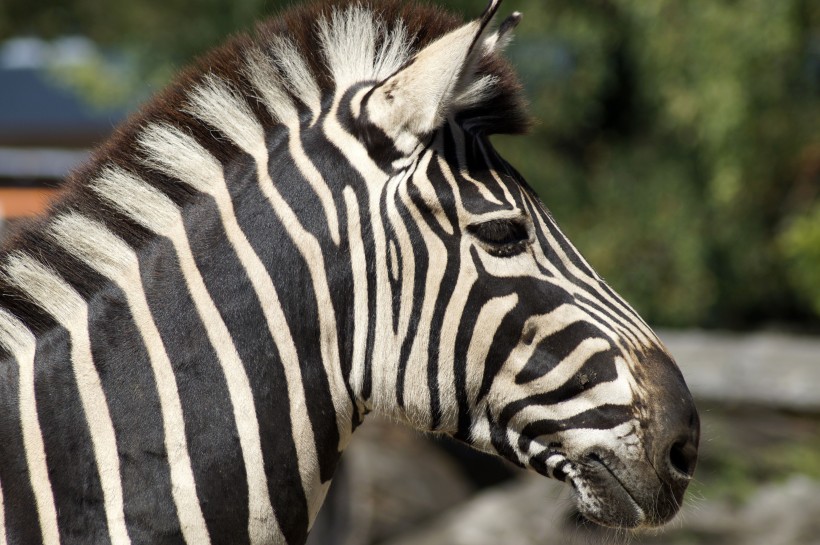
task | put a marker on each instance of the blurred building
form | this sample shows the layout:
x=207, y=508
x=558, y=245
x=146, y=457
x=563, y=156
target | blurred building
x=46, y=127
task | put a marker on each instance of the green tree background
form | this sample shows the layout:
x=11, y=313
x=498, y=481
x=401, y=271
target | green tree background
x=677, y=141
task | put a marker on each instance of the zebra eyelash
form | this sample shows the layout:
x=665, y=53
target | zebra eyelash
x=502, y=237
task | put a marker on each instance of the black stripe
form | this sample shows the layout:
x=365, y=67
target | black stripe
x=338, y=264
x=553, y=349
x=596, y=370
x=292, y=280
x=335, y=167
x=22, y=523
x=381, y=147
x=603, y=417
x=471, y=198
x=391, y=240
x=72, y=469
x=514, y=183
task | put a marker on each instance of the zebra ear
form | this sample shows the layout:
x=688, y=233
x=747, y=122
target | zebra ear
x=416, y=100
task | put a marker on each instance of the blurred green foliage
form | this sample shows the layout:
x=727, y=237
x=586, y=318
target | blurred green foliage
x=677, y=141
x=679, y=146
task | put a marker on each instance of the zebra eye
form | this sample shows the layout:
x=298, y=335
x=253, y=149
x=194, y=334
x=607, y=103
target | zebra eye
x=502, y=237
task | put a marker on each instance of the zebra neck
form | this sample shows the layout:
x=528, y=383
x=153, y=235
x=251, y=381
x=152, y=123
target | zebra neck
x=276, y=273
x=229, y=314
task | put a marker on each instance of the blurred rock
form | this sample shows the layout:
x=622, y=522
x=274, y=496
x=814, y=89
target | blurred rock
x=770, y=369
x=526, y=511
x=535, y=511
x=392, y=480
x=777, y=514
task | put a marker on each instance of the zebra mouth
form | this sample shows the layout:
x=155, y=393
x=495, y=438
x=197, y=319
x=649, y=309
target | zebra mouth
x=607, y=491
x=601, y=495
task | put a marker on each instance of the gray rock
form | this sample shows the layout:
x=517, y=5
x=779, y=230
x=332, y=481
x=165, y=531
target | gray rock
x=391, y=480
x=769, y=369
x=535, y=511
x=531, y=510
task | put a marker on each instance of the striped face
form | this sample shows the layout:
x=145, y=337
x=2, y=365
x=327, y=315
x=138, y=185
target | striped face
x=508, y=340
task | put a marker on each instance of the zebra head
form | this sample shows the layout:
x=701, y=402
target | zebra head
x=490, y=326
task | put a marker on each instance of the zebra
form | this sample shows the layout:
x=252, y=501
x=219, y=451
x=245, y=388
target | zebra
x=310, y=225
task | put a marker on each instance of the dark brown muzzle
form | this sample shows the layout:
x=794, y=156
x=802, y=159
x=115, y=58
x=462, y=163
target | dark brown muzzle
x=673, y=433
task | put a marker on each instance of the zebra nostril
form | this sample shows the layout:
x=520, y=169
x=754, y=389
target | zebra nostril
x=683, y=457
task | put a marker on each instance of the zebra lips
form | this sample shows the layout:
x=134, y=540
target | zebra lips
x=602, y=497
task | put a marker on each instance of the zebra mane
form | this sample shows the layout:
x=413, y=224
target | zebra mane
x=286, y=68
x=301, y=55
x=347, y=41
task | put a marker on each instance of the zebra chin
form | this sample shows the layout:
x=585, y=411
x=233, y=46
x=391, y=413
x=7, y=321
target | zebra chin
x=624, y=496
x=602, y=498
x=614, y=493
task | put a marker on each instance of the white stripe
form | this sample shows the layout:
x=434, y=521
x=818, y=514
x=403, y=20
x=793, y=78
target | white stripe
x=358, y=261
x=59, y=299
x=20, y=342
x=112, y=257
x=180, y=156
x=221, y=108
x=156, y=212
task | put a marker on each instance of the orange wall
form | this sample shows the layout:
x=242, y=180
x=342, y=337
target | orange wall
x=19, y=203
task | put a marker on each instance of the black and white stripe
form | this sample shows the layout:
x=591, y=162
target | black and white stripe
x=280, y=244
